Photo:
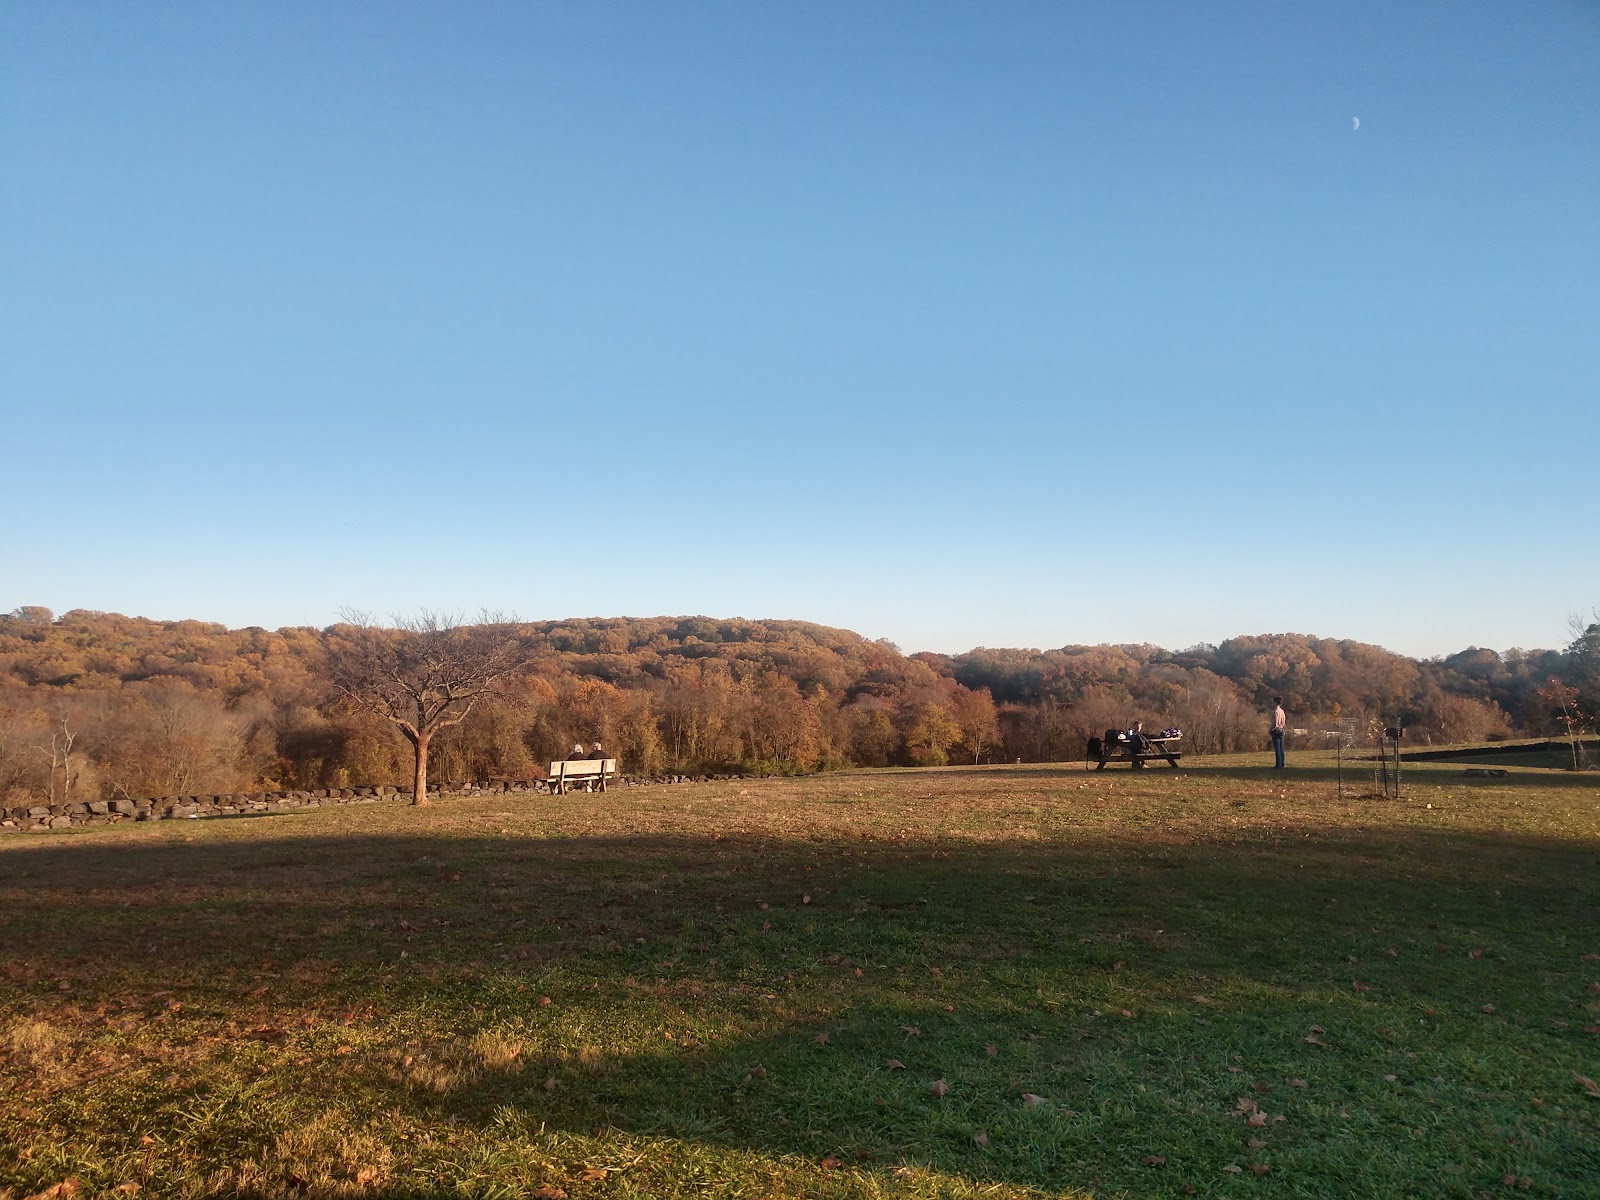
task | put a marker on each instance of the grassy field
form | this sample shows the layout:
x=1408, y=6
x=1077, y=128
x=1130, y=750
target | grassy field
x=1008, y=982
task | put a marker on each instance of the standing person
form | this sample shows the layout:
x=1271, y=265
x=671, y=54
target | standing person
x=1280, y=725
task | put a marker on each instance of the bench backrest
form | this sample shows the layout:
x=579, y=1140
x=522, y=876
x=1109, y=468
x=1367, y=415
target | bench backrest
x=582, y=768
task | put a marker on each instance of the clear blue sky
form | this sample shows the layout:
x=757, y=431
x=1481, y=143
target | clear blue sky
x=957, y=324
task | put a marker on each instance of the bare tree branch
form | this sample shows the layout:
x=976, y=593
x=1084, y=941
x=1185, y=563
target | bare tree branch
x=423, y=674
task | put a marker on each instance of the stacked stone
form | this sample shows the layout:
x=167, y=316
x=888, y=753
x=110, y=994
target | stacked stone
x=41, y=818
x=38, y=817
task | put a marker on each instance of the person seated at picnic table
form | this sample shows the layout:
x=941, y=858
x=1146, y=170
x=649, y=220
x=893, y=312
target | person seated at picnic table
x=1138, y=743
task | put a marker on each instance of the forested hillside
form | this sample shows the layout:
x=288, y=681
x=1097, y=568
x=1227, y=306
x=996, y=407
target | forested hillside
x=114, y=706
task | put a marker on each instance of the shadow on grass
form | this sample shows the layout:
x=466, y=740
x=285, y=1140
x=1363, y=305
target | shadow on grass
x=750, y=992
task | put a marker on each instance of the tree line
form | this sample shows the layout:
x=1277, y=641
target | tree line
x=98, y=705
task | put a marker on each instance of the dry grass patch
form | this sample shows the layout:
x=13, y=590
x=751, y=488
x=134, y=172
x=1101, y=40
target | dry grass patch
x=38, y=1047
x=323, y=1158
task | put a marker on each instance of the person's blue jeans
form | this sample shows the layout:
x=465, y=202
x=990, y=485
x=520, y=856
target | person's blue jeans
x=1277, y=749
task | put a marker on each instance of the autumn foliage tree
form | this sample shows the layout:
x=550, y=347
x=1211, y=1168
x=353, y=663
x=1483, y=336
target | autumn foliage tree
x=165, y=707
x=423, y=675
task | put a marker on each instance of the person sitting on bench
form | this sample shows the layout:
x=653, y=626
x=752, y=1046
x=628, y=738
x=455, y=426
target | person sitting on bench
x=1138, y=743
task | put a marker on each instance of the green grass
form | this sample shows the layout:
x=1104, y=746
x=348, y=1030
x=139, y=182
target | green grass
x=699, y=991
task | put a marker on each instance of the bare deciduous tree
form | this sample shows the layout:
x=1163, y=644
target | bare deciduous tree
x=59, y=753
x=423, y=675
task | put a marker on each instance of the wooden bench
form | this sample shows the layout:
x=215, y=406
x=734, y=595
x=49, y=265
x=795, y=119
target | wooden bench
x=1101, y=752
x=586, y=771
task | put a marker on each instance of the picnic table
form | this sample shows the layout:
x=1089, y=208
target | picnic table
x=1102, y=751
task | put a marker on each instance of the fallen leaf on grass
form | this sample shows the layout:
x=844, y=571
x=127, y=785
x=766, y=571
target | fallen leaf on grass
x=550, y=1084
x=1474, y=953
x=991, y=1049
x=1127, y=1012
x=594, y=1174
x=1201, y=999
x=1033, y=1101
x=1390, y=1078
x=1298, y=1083
x=1361, y=987
x=1154, y=1160
x=367, y=1175
x=939, y=1088
x=128, y=1187
x=1244, y=1105
x=1233, y=1170
x=1257, y=1144
x=548, y=1191
x=832, y=1163
x=1261, y=1089
x=820, y=1040
x=1588, y=1085
x=1589, y=958
x=67, y=1187
x=981, y=1138
x=910, y=1031
x=1260, y=1169
x=1256, y=1120
x=1315, y=1040
x=758, y=1071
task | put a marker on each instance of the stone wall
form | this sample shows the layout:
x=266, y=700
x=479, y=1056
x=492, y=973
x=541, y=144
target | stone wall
x=41, y=818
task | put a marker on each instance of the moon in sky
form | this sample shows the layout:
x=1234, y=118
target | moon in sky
x=1355, y=124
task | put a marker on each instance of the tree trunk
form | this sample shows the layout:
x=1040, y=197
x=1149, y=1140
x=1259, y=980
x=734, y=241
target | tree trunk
x=419, y=794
